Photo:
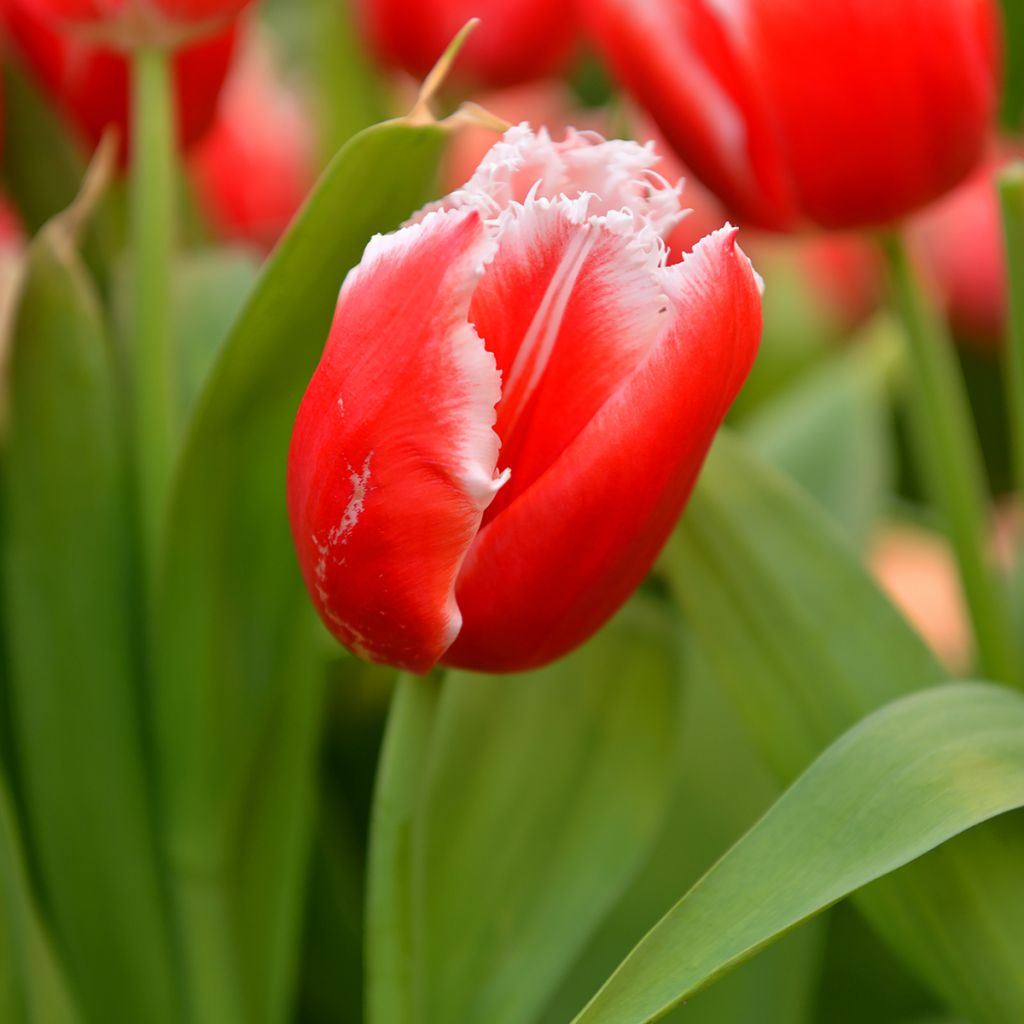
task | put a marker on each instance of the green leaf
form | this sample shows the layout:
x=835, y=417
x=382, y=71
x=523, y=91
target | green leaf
x=907, y=778
x=33, y=989
x=70, y=601
x=720, y=789
x=543, y=794
x=829, y=430
x=236, y=655
x=806, y=645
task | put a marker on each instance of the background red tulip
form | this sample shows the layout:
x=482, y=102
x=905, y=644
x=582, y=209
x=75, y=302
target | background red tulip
x=89, y=82
x=132, y=21
x=512, y=408
x=516, y=40
x=847, y=114
x=254, y=167
x=960, y=243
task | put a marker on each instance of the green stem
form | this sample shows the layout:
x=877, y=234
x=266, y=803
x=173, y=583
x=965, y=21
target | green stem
x=390, y=988
x=152, y=187
x=947, y=449
x=1011, y=194
x=209, y=949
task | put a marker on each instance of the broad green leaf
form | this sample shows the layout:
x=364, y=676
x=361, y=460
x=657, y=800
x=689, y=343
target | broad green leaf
x=542, y=795
x=907, y=778
x=70, y=604
x=720, y=790
x=235, y=651
x=830, y=431
x=33, y=989
x=806, y=645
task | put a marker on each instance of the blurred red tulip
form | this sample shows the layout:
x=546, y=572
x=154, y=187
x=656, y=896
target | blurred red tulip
x=532, y=312
x=959, y=242
x=516, y=40
x=253, y=169
x=129, y=23
x=848, y=114
x=88, y=83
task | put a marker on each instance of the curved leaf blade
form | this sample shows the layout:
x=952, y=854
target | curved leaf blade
x=806, y=645
x=904, y=780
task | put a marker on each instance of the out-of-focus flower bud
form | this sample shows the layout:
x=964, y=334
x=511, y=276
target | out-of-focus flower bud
x=513, y=405
x=130, y=23
x=89, y=83
x=254, y=167
x=959, y=242
x=848, y=114
x=516, y=40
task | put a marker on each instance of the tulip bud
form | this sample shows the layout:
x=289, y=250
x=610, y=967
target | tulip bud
x=848, y=114
x=516, y=40
x=130, y=23
x=959, y=242
x=513, y=405
x=89, y=83
x=254, y=167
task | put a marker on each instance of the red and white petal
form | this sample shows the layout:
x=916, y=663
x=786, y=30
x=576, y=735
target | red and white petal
x=551, y=568
x=393, y=457
x=619, y=174
x=569, y=306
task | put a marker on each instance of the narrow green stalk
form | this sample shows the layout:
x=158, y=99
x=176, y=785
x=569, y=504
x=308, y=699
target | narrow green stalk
x=209, y=950
x=947, y=449
x=390, y=984
x=152, y=187
x=1011, y=194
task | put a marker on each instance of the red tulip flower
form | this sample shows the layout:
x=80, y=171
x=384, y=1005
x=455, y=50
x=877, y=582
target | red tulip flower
x=129, y=23
x=253, y=169
x=846, y=114
x=512, y=407
x=516, y=40
x=960, y=244
x=89, y=83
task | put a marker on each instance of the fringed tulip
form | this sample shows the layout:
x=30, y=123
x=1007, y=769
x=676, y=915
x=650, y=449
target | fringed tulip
x=253, y=169
x=130, y=23
x=89, y=83
x=516, y=40
x=512, y=407
x=847, y=114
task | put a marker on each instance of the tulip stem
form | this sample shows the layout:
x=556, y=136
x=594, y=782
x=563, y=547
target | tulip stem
x=1011, y=195
x=390, y=918
x=949, y=455
x=152, y=197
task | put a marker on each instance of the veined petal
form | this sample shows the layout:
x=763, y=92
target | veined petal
x=393, y=457
x=555, y=564
x=569, y=305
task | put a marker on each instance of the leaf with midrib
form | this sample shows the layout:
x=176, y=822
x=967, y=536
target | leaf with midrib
x=907, y=778
x=806, y=645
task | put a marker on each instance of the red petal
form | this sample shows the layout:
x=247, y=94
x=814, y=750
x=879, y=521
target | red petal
x=549, y=570
x=393, y=456
x=684, y=63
